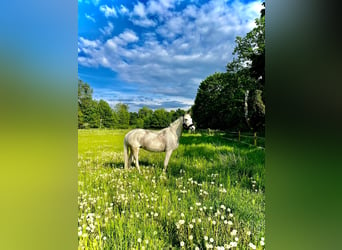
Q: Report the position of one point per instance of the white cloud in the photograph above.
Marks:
(89, 17)
(85, 43)
(107, 11)
(144, 22)
(123, 10)
(107, 30)
(129, 36)
(139, 10)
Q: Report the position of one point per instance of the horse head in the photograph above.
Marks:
(187, 122)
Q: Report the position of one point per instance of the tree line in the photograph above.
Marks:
(235, 99)
(99, 114)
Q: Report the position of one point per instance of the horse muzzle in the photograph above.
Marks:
(191, 126)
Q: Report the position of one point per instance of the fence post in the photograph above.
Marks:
(239, 135)
(255, 139)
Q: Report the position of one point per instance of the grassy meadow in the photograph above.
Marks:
(212, 197)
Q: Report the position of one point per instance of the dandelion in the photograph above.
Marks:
(206, 238)
(208, 245)
(197, 248)
(182, 215)
(251, 245)
(191, 208)
(155, 214)
(139, 240)
(211, 240)
(104, 237)
(214, 222)
(193, 220)
(191, 237)
(233, 244)
(181, 222)
(191, 226)
(233, 233)
(182, 243)
(236, 239)
(248, 233)
(146, 242)
(198, 203)
(231, 215)
(262, 243)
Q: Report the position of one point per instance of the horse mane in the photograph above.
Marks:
(176, 121)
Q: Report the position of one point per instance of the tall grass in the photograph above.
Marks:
(211, 197)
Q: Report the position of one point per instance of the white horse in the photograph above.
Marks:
(165, 140)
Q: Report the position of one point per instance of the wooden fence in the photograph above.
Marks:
(246, 138)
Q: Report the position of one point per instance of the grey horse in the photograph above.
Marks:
(165, 140)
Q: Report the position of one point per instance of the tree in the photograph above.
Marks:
(88, 116)
(207, 101)
(123, 115)
(160, 119)
(249, 66)
(133, 117)
(106, 115)
(145, 114)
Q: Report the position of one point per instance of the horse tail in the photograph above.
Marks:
(126, 153)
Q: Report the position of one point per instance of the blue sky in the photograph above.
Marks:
(155, 53)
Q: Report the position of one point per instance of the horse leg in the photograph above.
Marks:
(126, 151)
(130, 157)
(167, 158)
(136, 156)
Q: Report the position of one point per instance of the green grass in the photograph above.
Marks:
(212, 195)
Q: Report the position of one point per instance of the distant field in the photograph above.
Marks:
(213, 195)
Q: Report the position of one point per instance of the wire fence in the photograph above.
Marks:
(252, 139)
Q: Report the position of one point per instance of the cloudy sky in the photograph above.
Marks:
(157, 52)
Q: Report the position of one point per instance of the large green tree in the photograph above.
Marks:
(249, 65)
(219, 102)
(208, 103)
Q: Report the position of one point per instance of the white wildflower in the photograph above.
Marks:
(251, 245)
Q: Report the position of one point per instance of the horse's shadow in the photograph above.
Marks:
(111, 164)
(120, 165)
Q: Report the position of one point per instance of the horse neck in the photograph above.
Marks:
(177, 127)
